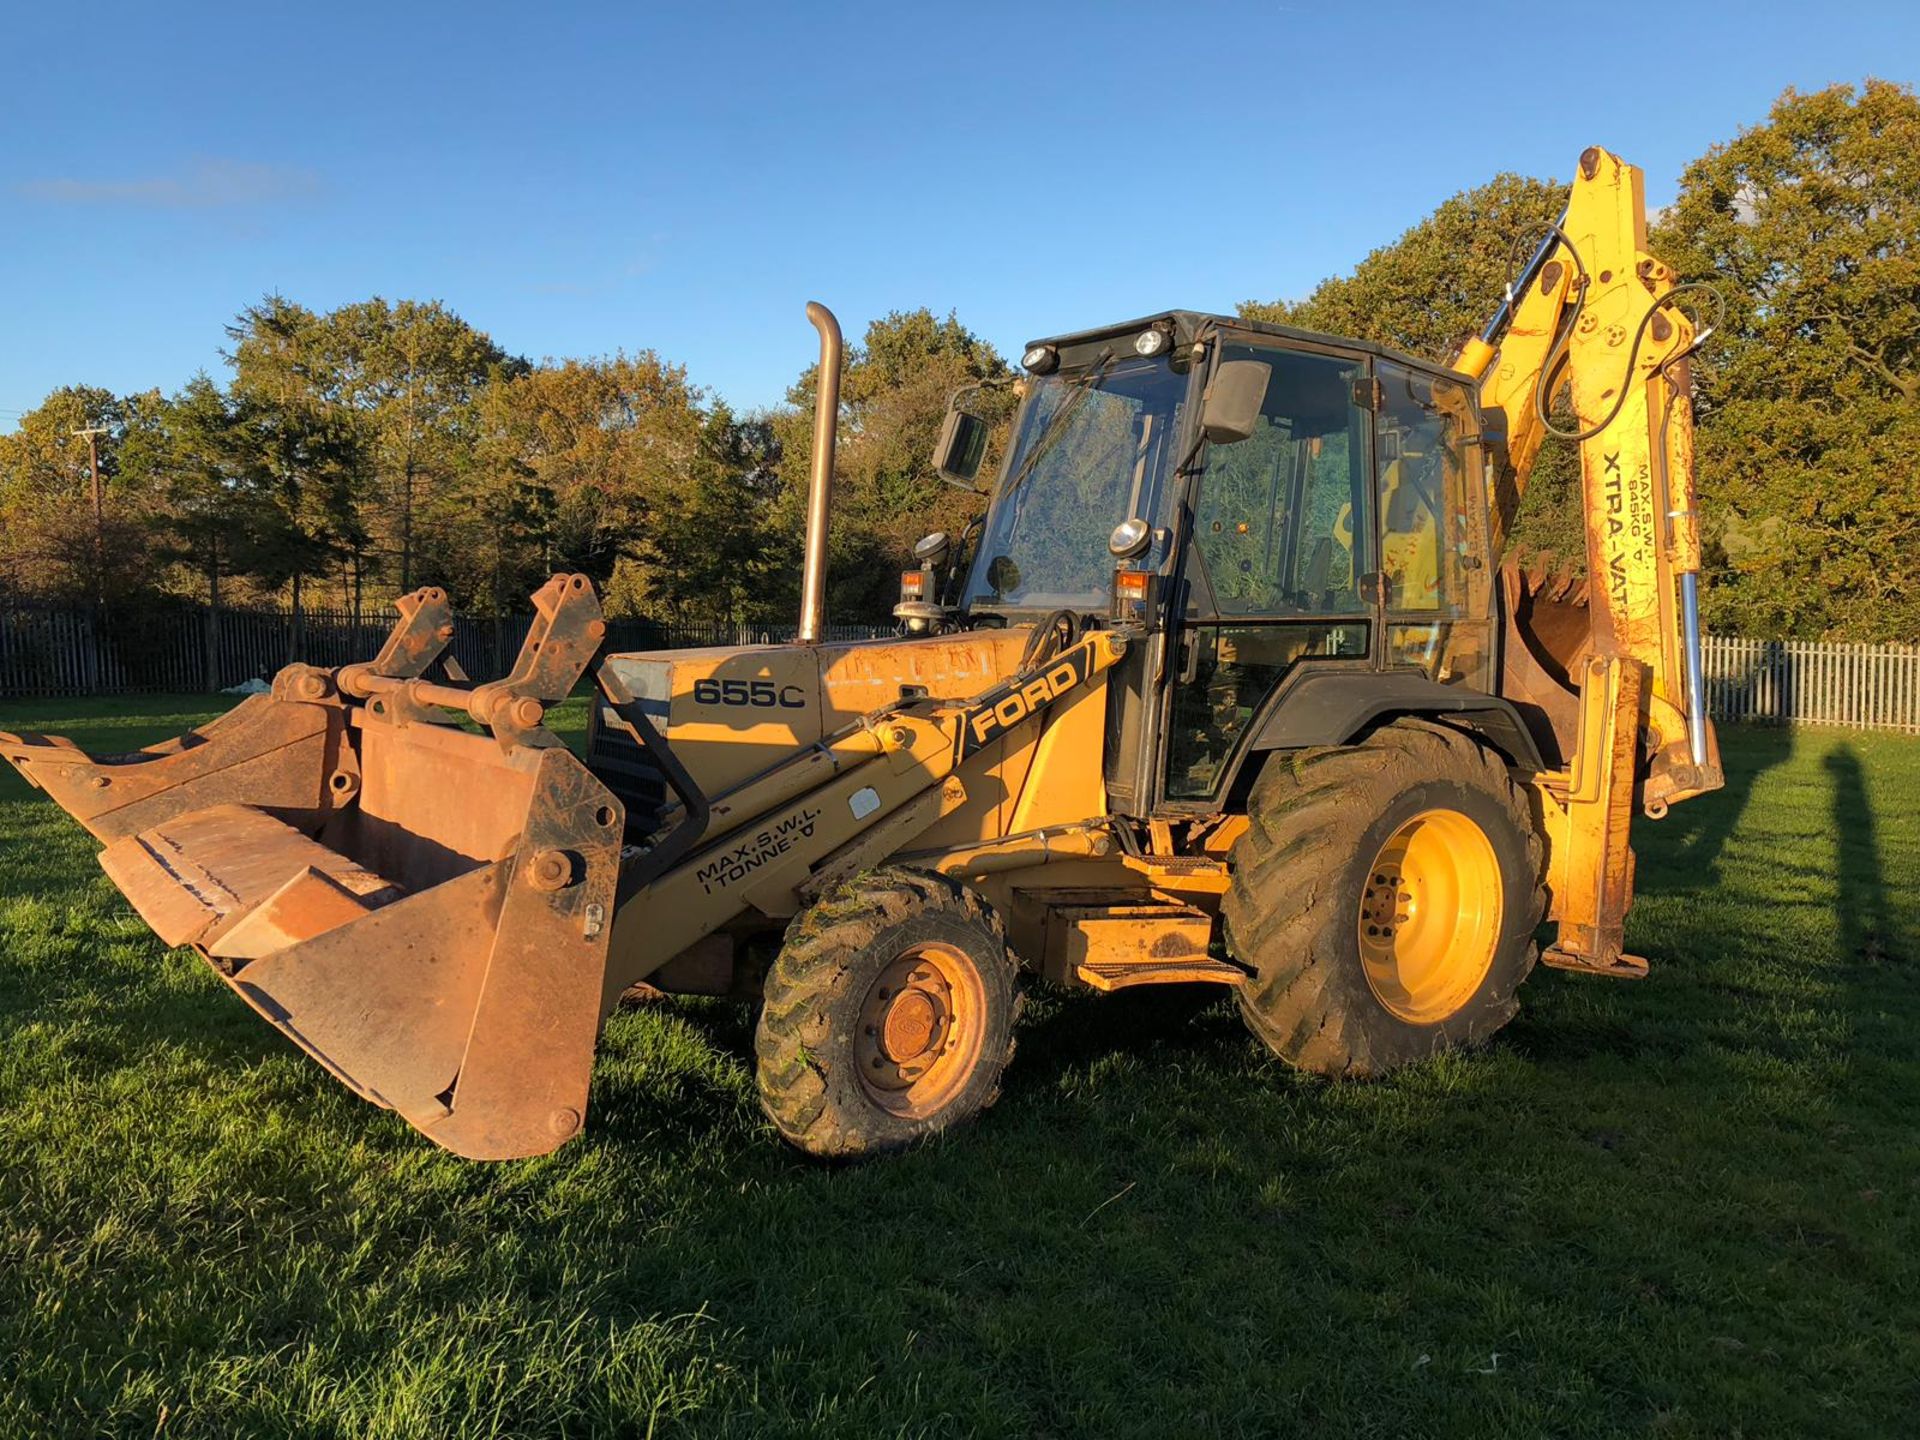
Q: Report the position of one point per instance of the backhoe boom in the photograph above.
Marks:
(1595, 313)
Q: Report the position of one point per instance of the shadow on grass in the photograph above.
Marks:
(1865, 920)
(1070, 1030)
(1687, 845)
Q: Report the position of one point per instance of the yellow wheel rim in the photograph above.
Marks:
(1430, 913)
(920, 1030)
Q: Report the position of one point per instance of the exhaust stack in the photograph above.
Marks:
(826, 419)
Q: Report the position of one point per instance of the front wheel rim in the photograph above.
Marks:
(920, 1030)
(1431, 905)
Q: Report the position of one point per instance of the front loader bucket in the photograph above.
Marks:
(423, 909)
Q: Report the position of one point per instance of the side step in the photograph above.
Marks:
(1110, 975)
(1111, 940)
(1620, 967)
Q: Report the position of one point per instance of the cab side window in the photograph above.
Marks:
(1432, 526)
(1275, 527)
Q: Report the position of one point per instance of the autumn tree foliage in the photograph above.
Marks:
(1807, 397)
(1809, 225)
(346, 455)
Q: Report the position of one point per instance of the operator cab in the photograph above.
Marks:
(1261, 503)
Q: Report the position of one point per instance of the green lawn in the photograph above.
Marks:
(1688, 1206)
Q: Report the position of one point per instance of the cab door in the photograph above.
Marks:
(1434, 537)
(1279, 570)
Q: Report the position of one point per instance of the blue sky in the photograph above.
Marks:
(577, 179)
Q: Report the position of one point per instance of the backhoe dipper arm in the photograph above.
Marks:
(1595, 312)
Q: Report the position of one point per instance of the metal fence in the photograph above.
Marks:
(54, 651)
(1814, 682)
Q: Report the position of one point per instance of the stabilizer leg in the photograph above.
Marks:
(1590, 863)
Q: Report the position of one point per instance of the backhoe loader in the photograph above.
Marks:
(1231, 687)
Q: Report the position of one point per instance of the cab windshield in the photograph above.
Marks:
(1093, 448)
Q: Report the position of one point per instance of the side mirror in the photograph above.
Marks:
(1230, 411)
(960, 449)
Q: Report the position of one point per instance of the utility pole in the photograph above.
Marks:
(93, 434)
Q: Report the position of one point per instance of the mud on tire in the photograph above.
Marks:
(1301, 873)
(887, 1016)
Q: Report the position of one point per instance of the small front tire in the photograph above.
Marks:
(888, 1015)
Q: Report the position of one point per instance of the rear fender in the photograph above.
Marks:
(1333, 707)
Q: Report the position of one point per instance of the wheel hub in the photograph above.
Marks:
(1387, 904)
(918, 1030)
(1430, 916)
(914, 1020)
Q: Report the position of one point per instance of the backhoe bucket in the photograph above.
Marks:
(1547, 642)
(423, 909)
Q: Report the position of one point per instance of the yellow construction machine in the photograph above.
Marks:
(1231, 687)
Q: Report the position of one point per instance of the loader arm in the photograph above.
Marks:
(1597, 314)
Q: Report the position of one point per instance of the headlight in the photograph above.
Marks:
(1129, 538)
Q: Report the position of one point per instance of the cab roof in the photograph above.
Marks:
(1189, 323)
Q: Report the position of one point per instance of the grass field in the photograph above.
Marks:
(1689, 1206)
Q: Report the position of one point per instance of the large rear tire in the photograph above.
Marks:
(888, 1015)
(1386, 896)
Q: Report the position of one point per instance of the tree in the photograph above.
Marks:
(212, 520)
(574, 459)
(401, 383)
(292, 447)
(1441, 281)
(709, 550)
(49, 543)
(1809, 226)
(410, 373)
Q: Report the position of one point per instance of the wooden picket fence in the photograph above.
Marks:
(1814, 682)
(55, 652)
